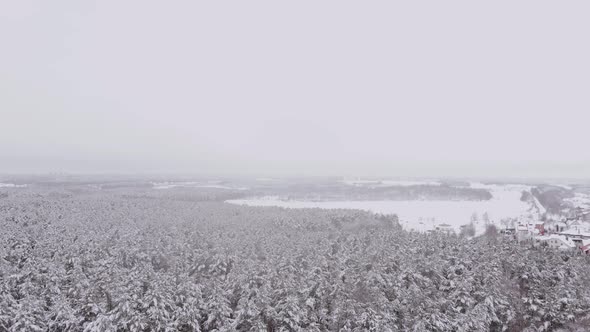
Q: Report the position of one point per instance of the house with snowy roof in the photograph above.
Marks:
(445, 228)
(530, 229)
(576, 234)
(574, 223)
(558, 226)
(555, 241)
(577, 227)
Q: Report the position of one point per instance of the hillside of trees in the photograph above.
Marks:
(552, 197)
(112, 261)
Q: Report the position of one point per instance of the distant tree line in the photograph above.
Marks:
(417, 192)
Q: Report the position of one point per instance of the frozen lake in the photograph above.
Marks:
(425, 215)
(211, 185)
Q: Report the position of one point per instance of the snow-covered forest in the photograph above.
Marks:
(122, 262)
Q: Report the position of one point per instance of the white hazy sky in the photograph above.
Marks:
(499, 88)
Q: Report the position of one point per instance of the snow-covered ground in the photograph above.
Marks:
(389, 183)
(170, 185)
(12, 185)
(580, 200)
(265, 179)
(426, 215)
(409, 183)
(566, 187)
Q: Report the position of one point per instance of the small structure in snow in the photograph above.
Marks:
(445, 228)
(555, 241)
(523, 233)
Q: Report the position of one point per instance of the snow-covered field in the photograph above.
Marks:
(580, 200)
(389, 183)
(170, 185)
(425, 215)
(12, 185)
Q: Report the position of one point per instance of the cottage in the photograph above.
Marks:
(575, 234)
(559, 226)
(577, 242)
(445, 228)
(574, 223)
(555, 241)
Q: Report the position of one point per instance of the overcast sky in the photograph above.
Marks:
(498, 88)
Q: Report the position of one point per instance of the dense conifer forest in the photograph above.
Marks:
(127, 261)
